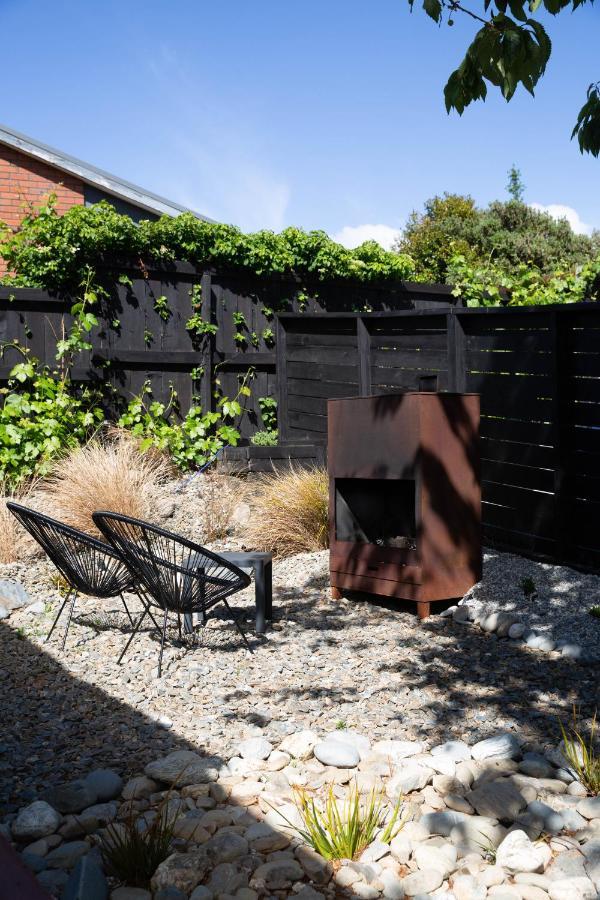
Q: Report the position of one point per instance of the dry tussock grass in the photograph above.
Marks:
(221, 494)
(15, 542)
(290, 512)
(111, 474)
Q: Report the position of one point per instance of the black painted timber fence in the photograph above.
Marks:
(538, 373)
(136, 344)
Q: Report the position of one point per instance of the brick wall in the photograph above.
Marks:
(25, 181)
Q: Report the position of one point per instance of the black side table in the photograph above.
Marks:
(262, 566)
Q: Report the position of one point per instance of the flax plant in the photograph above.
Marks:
(343, 830)
(582, 753)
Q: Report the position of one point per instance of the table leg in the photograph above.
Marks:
(268, 569)
(260, 596)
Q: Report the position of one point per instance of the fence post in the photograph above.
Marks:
(207, 383)
(558, 372)
(363, 338)
(281, 385)
(457, 352)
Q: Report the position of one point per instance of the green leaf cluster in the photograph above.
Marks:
(511, 48)
(53, 251)
(488, 285)
(190, 442)
(42, 414)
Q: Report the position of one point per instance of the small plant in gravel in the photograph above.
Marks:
(528, 587)
(340, 725)
(583, 753)
(132, 853)
(595, 611)
(343, 830)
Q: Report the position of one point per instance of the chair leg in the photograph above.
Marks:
(62, 606)
(129, 616)
(162, 644)
(136, 628)
(238, 626)
(69, 614)
(144, 601)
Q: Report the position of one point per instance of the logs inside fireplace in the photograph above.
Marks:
(405, 496)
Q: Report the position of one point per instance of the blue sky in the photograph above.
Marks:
(319, 114)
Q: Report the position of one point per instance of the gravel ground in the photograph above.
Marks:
(323, 664)
(559, 608)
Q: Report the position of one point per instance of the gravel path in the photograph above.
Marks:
(561, 603)
(323, 664)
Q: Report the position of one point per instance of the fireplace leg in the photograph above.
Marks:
(336, 593)
(423, 609)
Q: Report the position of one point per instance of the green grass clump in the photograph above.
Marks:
(132, 854)
(595, 611)
(583, 754)
(343, 829)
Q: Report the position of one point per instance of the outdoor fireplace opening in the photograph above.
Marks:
(377, 511)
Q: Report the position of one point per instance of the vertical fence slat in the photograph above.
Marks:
(364, 357)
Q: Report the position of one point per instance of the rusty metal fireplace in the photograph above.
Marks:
(405, 497)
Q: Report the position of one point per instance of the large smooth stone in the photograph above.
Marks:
(105, 783)
(182, 870)
(410, 777)
(501, 746)
(87, 882)
(13, 595)
(396, 750)
(70, 798)
(422, 882)
(589, 808)
(536, 766)
(300, 745)
(338, 754)
(255, 748)
(572, 889)
(517, 853)
(360, 743)
(442, 822)
(499, 799)
(455, 751)
(184, 767)
(35, 821)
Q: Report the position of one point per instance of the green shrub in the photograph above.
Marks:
(594, 611)
(265, 438)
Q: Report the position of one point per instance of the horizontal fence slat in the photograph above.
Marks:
(410, 359)
(508, 361)
(329, 389)
(334, 355)
(517, 475)
(321, 371)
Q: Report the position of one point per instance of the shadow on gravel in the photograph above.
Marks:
(57, 727)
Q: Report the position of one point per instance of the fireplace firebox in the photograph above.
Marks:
(405, 496)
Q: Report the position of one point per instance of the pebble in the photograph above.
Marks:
(35, 821)
(517, 853)
(502, 746)
(336, 753)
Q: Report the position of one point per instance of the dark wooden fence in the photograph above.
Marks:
(134, 344)
(538, 373)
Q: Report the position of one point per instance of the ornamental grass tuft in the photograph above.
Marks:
(343, 829)
(583, 753)
(109, 473)
(133, 851)
(290, 512)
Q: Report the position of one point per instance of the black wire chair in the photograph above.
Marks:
(89, 566)
(178, 576)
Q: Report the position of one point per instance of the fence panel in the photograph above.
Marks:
(538, 374)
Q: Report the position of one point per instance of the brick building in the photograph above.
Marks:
(30, 171)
